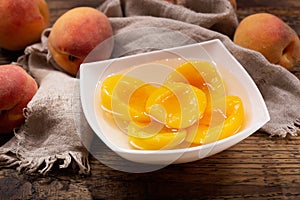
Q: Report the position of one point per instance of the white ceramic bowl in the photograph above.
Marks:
(236, 79)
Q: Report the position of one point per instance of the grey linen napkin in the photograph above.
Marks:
(50, 132)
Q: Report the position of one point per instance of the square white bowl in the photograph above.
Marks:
(236, 79)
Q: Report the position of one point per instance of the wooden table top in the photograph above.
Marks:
(259, 167)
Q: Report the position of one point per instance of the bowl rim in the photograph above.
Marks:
(240, 135)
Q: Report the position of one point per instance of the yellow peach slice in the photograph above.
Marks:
(107, 89)
(115, 94)
(137, 103)
(145, 138)
(177, 105)
(198, 73)
(233, 120)
(203, 75)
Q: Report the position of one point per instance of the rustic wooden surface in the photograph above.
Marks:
(259, 167)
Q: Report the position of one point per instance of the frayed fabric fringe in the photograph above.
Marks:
(292, 130)
(43, 165)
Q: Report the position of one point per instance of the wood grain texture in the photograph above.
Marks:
(259, 167)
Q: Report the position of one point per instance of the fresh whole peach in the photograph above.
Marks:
(22, 22)
(16, 89)
(75, 34)
(270, 36)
